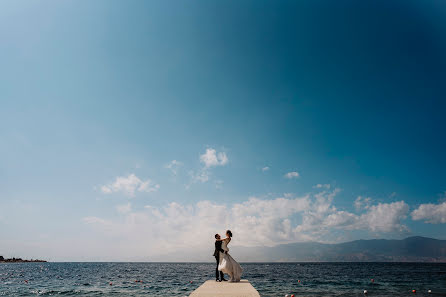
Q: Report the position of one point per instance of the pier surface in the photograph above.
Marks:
(212, 288)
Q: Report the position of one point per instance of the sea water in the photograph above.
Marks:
(180, 279)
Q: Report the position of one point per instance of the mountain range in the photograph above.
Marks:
(411, 249)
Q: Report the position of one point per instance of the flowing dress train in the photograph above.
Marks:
(228, 265)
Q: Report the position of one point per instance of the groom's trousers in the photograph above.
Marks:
(218, 274)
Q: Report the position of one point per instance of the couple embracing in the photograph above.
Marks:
(225, 263)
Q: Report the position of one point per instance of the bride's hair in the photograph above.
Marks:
(229, 233)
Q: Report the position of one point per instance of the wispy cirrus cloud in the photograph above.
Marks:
(96, 220)
(266, 168)
(202, 175)
(362, 203)
(174, 166)
(129, 185)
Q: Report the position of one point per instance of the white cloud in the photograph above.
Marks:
(385, 217)
(381, 218)
(266, 168)
(158, 230)
(254, 222)
(267, 222)
(322, 186)
(430, 213)
(124, 208)
(362, 203)
(129, 185)
(174, 166)
(211, 158)
(340, 219)
(315, 219)
(293, 174)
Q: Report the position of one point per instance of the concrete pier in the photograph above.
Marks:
(212, 288)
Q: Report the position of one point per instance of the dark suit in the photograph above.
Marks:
(217, 251)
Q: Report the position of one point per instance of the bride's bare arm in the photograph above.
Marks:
(227, 239)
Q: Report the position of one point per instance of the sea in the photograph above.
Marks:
(180, 279)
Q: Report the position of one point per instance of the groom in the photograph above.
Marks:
(217, 251)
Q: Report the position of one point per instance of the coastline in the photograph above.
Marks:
(19, 260)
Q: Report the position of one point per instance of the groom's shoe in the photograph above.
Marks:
(224, 280)
(217, 280)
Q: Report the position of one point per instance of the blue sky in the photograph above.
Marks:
(98, 98)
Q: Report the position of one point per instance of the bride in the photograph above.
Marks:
(227, 264)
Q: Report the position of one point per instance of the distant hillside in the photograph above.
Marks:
(412, 249)
(17, 260)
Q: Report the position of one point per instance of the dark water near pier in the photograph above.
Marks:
(180, 279)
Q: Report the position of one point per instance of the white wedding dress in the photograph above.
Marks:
(228, 265)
